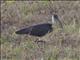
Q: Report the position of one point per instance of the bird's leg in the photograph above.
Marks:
(40, 43)
(38, 40)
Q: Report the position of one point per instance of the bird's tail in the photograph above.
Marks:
(22, 31)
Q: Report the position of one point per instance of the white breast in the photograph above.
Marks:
(52, 19)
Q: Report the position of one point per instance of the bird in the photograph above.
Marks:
(36, 30)
(40, 30)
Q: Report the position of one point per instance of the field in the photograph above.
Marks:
(57, 45)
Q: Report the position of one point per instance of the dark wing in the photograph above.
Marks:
(41, 30)
(36, 30)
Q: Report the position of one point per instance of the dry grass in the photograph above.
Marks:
(58, 45)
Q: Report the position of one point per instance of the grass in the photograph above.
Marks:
(59, 45)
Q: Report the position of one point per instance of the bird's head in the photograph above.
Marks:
(55, 20)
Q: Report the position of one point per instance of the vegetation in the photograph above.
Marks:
(59, 45)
